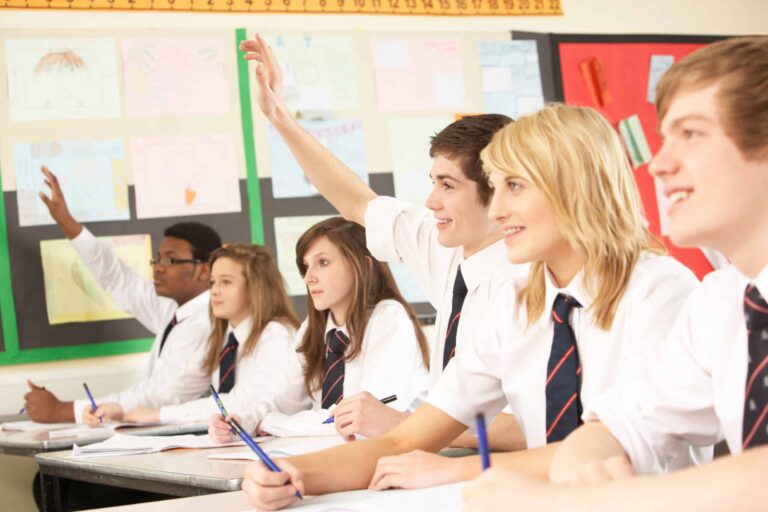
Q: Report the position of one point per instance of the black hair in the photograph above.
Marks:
(203, 239)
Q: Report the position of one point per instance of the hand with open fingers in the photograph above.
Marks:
(143, 414)
(500, 490)
(415, 470)
(269, 77)
(57, 205)
(42, 405)
(365, 415)
(221, 431)
(613, 468)
(104, 412)
(268, 490)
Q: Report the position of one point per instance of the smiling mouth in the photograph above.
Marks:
(512, 231)
(679, 195)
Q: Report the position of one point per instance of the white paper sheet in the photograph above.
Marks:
(126, 444)
(298, 448)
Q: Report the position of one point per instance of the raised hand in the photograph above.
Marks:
(57, 205)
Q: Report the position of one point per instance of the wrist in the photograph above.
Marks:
(280, 116)
(71, 228)
(65, 411)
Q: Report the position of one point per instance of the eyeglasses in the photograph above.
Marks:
(172, 261)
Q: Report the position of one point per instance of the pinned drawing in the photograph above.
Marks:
(511, 77)
(592, 73)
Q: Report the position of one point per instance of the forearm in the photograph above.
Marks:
(590, 443)
(504, 435)
(336, 182)
(534, 462)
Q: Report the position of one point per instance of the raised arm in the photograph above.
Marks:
(334, 180)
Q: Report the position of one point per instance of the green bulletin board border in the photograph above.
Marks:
(12, 355)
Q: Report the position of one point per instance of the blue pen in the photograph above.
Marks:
(218, 401)
(482, 441)
(257, 450)
(22, 410)
(386, 400)
(93, 402)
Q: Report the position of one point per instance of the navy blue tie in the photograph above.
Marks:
(563, 374)
(459, 294)
(167, 331)
(756, 396)
(227, 362)
(333, 380)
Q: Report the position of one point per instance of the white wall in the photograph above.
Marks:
(591, 16)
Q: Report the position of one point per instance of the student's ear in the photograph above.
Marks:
(203, 272)
(370, 262)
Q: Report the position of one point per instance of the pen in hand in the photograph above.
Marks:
(93, 402)
(385, 400)
(482, 441)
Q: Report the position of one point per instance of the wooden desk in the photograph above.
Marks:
(32, 443)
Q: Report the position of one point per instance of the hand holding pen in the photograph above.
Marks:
(93, 402)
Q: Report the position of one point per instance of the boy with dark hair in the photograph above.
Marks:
(174, 306)
(708, 381)
(453, 250)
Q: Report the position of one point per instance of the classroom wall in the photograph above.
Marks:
(587, 16)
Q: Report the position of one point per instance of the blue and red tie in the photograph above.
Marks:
(754, 431)
(166, 332)
(563, 374)
(333, 380)
(227, 362)
(459, 294)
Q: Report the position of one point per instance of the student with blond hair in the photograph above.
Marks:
(598, 295)
(707, 381)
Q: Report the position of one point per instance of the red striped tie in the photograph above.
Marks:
(227, 362)
(563, 374)
(754, 431)
(457, 302)
(333, 380)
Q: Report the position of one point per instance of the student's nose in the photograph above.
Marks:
(496, 210)
(309, 276)
(664, 163)
(433, 200)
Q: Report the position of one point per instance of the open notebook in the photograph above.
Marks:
(32, 426)
(284, 450)
(124, 444)
(59, 430)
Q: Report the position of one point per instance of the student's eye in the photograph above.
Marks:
(514, 185)
(691, 134)
(447, 186)
(324, 263)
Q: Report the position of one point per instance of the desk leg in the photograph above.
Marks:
(51, 493)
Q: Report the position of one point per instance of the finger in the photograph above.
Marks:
(33, 386)
(618, 468)
(45, 199)
(388, 481)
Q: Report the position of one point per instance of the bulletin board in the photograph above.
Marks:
(361, 94)
(616, 75)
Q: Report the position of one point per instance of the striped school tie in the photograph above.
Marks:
(459, 294)
(563, 374)
(166, 332)
(756, 396)
(333, 380)
(227, 362)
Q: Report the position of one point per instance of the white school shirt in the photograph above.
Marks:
(507, 363)
(390, 363)
(260, 378)
(398, 231)
(694, 384)
(136, 295)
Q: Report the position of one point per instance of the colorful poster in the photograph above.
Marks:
(343, 138)
(318, 71)
(511, 77)
(72, 294)
(53, 79)
(418, 74)
(409, 140)
(184, 175)
(91, 174)
(175, 76)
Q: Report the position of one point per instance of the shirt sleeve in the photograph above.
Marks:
(399, 232)
(392, 361)
(471, 383)
(135, 294)
(655, 417)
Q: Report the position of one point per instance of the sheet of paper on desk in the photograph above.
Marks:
(444, 498)
(32, 426)
(125, 444)
(105, 428)
(287, 450)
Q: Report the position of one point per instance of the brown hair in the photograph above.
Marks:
(463, 140)
(574, 156)
(740, 66)
(373, 282)
(266, 290)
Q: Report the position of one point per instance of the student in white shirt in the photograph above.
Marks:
(252, 342)
(453, 232)
(360, 334)
(566, 199)
(707, 381)
(173, 306)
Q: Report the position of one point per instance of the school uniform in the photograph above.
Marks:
(399, 231)
(179, 330)
(257, 380)
(511, 362)
(695, 385)
(389, 363)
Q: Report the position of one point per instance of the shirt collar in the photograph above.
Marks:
(191, 307)
(575, 289)
(761, 281)
(478, 268)
(330, 325)
(242, 331)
